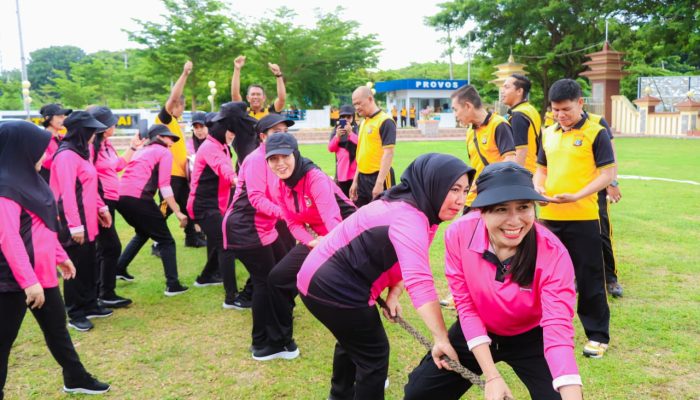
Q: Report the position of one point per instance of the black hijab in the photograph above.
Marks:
(239, 122)
(426, 182)
(81, 127)
(301, 167)
(21, 146)
(218, 130)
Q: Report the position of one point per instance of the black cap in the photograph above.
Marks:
(347, 109)
(104, 115)
(271, 120)
(236, 109)
(209, 118)
(83, 119)
(54, 109)
(502, 182)
(162, 130)
(199, 118)
(280, 143)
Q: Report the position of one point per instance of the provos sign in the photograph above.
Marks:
(437, 84)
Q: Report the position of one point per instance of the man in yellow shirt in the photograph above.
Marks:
(395, 114)
(169, 115)
(375, 149)
(403, 116)
(256, 94)
(575, 162)
(524, 120)
(412, 115)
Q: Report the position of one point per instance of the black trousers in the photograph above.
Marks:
(51, 318)
(524, 353)
(361, 357)
(148, 222)
(282, 282)
(181, 192)
(606, 232)
(413, 122)
(403, 121)
(81, 291)
(108, 250)
(210, 223)
(365, 184)
(288, 241)
(582, 240)
(259, 262)
(345, 187)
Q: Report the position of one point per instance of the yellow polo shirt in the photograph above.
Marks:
(376, 133)
(178, 148)
(526, 124)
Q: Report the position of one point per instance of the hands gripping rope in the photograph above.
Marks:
(454, 365)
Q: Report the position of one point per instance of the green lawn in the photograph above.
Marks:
(189, 347)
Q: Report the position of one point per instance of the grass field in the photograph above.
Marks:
(188, 347)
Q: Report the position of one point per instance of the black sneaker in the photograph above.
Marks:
(125, 276)
(195, 241)
(155, 251)
(88, 385)
(99, 312)
(208, 281)
(80, 324)
(288, 352)
(113, 301)
(174, 290)
(240, 302)
(614, 289)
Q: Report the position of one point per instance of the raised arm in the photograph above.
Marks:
(238, 63)
(281, 89)
(178, 88)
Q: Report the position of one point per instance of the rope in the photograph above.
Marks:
(454, 365)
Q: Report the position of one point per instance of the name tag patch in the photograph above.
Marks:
(578, 142)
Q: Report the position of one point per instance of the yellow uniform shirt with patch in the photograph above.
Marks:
(573, 159)
(403, 112)
(372, 139)
(179, 149)
(526, 124)
(412, 112)
(335, 114)
(495, 140)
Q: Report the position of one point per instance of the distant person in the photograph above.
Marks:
(548, 118)
(524, 120)
(395, 114)
(343, 142)
(53, 116)
(199, 133)
(29, 254)
(412, 115)
(403, 116)
(375, 149)
(335, 115)
(575, 162)
(255, 94)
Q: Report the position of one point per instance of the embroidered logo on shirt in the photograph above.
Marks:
(483, 141)
(307, 200)
(578, 142)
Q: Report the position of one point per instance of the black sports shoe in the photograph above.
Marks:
(113, 301)
(239, 302)
(99, 312)
(195, 240)
(87, 385)
(614, 289)
(125, 276)
(80, 324)
(208, 281)
(174, 290)
(155, 251)
(287, 352)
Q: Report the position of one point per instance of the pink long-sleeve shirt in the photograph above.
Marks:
(347, 268)
(50, 151)
(108, 164)
(344, 168)
(505, 308)
(250, 220)
(212, 177)
(22, 233)
(74, 184)
(149, 170)
(316, 201)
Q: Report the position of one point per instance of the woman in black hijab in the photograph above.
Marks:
(81, 210)
(29, 253)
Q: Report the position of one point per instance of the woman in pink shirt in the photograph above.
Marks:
(384, 244)
(53, 116)
(81, 209)
(108, 164)
(312, 205)
(513, 286)
(29, 254)
(343, 142)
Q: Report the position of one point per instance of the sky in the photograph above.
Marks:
(97, 25)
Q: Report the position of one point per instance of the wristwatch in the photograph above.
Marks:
(614, 183)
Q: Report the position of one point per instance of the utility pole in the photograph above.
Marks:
(25, 80)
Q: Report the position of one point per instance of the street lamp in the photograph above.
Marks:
(25, 96)
(212, 91)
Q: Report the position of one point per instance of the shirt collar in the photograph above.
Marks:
(579, 124)
(485, 122)
(510, 110)
(480, 238)
(375, 114)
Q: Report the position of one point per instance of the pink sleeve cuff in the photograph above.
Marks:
(76, 229)
(477, 341)
(104, 209)
(166, 191)
(565, 380)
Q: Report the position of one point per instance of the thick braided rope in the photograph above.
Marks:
(454, 365)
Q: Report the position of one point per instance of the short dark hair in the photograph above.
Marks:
(255, 86)
(565, 89)
(522, 82)
(469, 94)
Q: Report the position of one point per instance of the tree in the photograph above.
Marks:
(11, 90)
(44, 62)
(195, 30)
